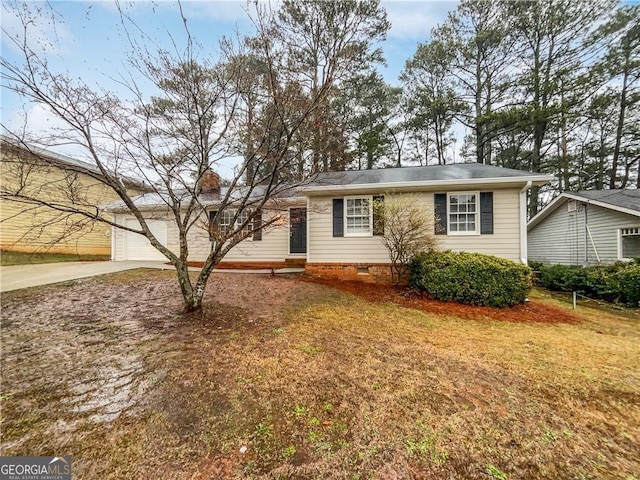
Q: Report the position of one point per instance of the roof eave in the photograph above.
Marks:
(123, 209)
(546, 211)
(418, 185)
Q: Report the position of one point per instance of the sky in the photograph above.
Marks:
(89, 43)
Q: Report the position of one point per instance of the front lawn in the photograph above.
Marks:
(283, 378)
(8, 257)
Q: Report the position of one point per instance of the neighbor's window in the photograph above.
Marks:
(358, 216)
(629, 243)
(463, 213)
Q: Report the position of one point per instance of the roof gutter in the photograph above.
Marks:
(523, 222)
(536, 179)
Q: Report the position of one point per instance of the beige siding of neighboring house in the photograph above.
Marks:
(323, 247)
(560, 237)
(29, 228)
(274, 246)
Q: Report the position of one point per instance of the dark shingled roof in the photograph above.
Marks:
(627, 198)
(456, 171)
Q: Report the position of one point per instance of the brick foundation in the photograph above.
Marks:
(359, 272)
(233, 265)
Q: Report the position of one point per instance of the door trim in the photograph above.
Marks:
(306, 246)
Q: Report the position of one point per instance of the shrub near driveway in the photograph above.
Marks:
(470, 278)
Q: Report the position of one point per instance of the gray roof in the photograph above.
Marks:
(627, 198)
(625, 201)
(459, 173)
(28, 147)
(432, 173)
(160, 198)
(63, 159)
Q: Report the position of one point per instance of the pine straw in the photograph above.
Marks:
(528, 312)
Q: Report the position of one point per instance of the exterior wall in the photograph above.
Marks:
(560, 237)
(323, 248)
(274, 246)
(27, 228)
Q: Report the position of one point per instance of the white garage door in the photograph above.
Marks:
(137, 247)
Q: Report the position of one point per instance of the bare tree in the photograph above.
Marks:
(173, 140)
(406, 227)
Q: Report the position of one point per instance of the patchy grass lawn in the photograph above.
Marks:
(8, 257)
(288, 379)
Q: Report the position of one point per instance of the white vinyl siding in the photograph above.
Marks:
(274, 245)
(560, 237)
(325, 248)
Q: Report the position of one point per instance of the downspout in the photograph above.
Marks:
(308, 260)
(586, 235)
(523, 222)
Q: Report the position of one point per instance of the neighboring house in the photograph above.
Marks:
(587, 228)
(328, 224)
(33, 171)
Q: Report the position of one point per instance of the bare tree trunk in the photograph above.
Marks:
(479, 123)
(619, 128)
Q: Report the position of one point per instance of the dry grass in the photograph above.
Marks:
(315, 383)
(8, 257)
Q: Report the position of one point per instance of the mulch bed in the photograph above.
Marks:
(529, 312)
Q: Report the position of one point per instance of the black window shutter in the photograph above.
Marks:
(440, 202)
(486, 213)
(338, 217)
(213, 222)
(378, 220)
(257, 223)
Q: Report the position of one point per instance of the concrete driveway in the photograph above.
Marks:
(24, 276)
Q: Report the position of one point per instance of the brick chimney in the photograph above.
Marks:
(210, 182)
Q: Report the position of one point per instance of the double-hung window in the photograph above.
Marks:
(358, 216)
(463, 214)
(225, 221)
(226, 224)
(629, 243)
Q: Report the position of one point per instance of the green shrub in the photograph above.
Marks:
(619, 282)
(470, 278)
(629, 285)
(535, 266)
(563, 278)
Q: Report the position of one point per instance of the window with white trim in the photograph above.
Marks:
(358, 216)
(226, 224)
(463, 214)
(243, 217)
(629, 243)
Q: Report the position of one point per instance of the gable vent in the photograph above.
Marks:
(572, 206)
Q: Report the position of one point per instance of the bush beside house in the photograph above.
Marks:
(614, 283)
(470, 278)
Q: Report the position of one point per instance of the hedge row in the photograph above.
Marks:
(618, 283)
(470, 278)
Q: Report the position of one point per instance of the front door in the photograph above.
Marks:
(298, 230)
